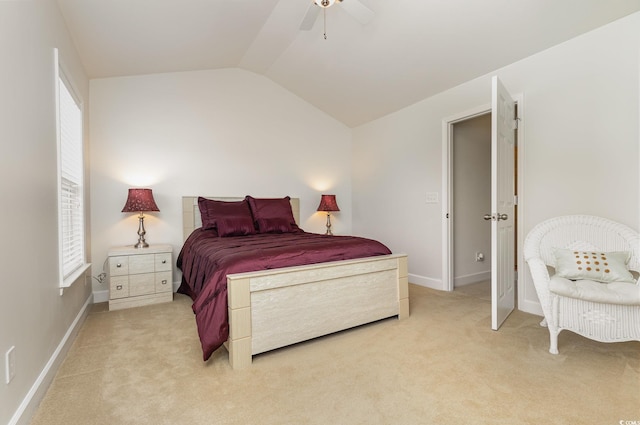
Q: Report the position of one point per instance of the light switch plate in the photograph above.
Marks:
(432, 197)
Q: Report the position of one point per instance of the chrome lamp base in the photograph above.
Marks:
(329, 232)
(141, 232)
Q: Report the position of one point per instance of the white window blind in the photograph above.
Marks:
(71, 170)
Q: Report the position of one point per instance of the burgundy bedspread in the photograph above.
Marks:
(206, 260)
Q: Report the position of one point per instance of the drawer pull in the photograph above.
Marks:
(118, 265)
(164, 261)
(118, 287)
(164, 281)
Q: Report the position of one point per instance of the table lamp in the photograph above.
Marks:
(140, 200)
(328, 203)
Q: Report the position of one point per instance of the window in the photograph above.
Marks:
(70, 184)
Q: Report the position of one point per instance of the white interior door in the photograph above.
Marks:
(503, 126)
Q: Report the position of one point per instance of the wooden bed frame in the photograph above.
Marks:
(275, 308)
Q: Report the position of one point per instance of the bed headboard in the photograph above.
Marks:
(191, 214)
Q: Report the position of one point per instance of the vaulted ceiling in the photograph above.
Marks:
(408, 51)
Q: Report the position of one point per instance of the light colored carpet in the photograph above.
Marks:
(480, 290)
(442, 365)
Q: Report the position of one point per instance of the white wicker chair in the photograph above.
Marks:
(613, 321)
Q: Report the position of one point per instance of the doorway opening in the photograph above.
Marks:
(507, 183)
(471, 200)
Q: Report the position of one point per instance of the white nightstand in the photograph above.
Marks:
(140, 276)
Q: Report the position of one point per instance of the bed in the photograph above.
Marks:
(272, 307)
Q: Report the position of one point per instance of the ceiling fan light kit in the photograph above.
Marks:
(324, 3)
(355, 8)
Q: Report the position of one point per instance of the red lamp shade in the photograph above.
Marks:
(140, 200)
(328, 203)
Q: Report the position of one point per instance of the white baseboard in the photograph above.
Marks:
(427, 282)
(471, 278)
(100, 296)
(36, 393)
(531, 307)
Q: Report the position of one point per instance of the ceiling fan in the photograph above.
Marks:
(355, 8)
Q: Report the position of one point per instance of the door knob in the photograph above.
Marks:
(496, 217)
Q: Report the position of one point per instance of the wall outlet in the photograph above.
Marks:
(10, 364)
(479, 257)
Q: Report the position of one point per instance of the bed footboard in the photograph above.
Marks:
(275, 308)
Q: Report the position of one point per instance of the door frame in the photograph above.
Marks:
(447, 193)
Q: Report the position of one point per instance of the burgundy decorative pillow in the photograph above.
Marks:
(212, 210)
(274, 225)
(272, 208)
(235, 226)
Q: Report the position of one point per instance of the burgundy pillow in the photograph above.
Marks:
(235, 226)
(272, 208)
(212, 210)
(274, 225)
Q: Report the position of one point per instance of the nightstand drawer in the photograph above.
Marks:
(142, 284)
(163, 282)
(119, 287)
(163, 262)
(141, 263)
(119, 266)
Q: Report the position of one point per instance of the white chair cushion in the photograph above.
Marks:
(588, 290)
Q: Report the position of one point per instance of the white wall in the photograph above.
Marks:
(34, 317)
(223, 132)
(580, 142)
(471, 199)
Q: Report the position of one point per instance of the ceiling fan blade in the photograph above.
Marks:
(310, 18)
(359, 11)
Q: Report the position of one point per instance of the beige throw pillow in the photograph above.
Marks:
(597, 266)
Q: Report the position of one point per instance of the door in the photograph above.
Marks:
(503, 140)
